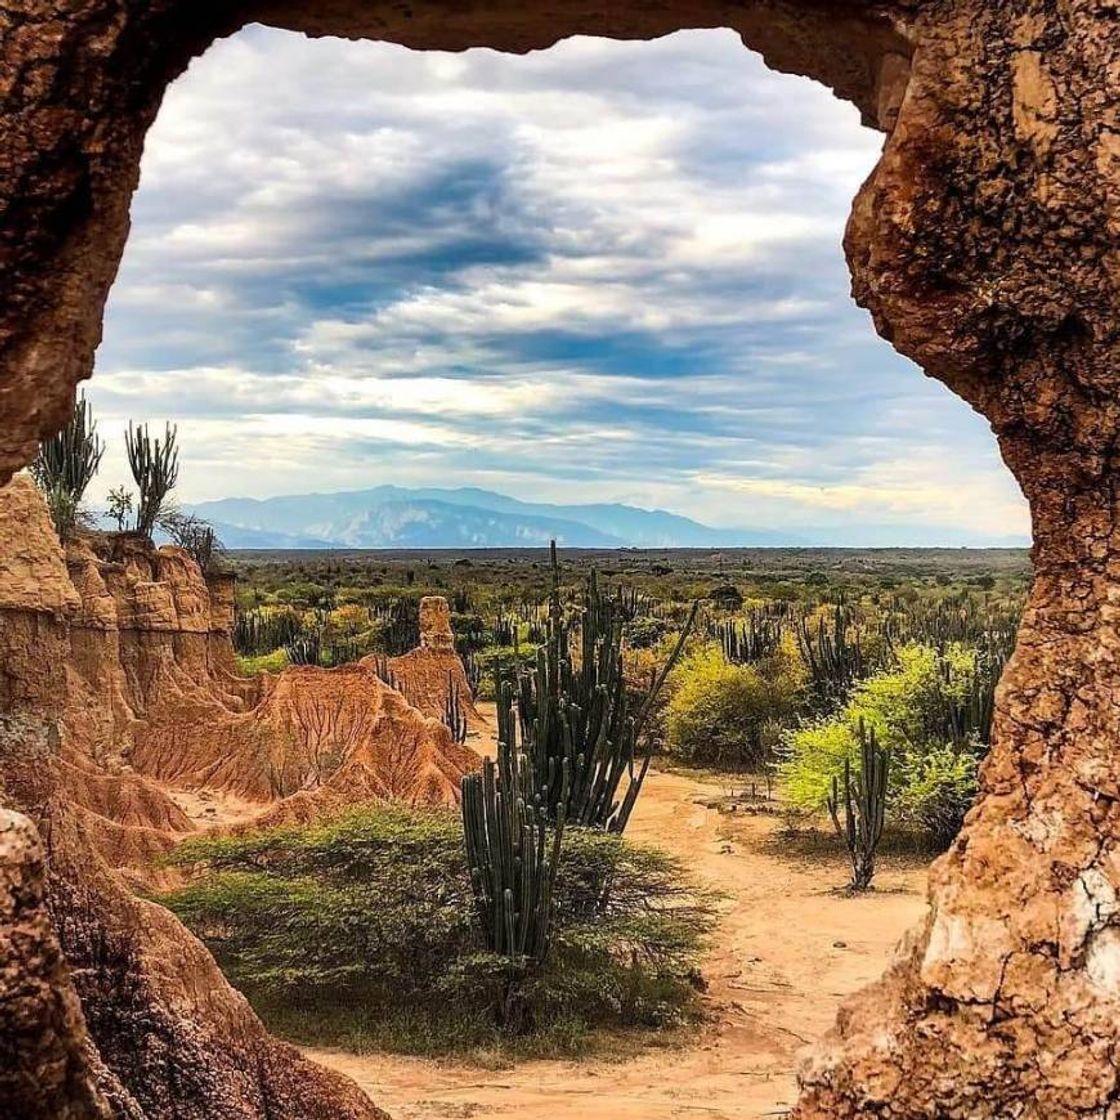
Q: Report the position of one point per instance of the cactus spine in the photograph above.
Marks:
(865, 800)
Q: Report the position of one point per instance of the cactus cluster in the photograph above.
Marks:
(864, 799)
(305, 649)
(833, 655)
(400, 626)
(753, 639)
(512, 851)
(155, 470)
(261, 631)
(574, 712)
(65, 466)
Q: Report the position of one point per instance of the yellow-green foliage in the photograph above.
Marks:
(720, 713)
(273, 662)
(932, 778)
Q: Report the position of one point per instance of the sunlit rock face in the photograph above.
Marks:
(984, 245)
(115, 677)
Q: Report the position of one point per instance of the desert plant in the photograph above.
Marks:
(305, 649)
(399, 626)
(720, 712)
(260, 631)
(750, 640)
(453, 715)
(574, 713)
(155, 469)
(196, 536)
(864, 798)
(512, 858)
(833, 655)
(119, 507)
(66, 464)
(374, 909)
(932, 711)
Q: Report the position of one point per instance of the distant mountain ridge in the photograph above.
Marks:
(468, 517)
(399, 517)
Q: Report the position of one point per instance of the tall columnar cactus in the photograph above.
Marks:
(155, 469)
(305, 649)
(453, 715)
(833, 656)
(864, 797)
(753, 639)
(511, 855)
(574, 713)
(65, 466)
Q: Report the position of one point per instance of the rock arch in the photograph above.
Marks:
(985, 245)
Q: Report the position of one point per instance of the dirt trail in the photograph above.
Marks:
(787, 950)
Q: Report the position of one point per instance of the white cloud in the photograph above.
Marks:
(557, 274)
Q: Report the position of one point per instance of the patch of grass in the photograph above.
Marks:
(368, 1026)
(813, 844)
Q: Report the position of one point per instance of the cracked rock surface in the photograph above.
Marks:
(984, 244)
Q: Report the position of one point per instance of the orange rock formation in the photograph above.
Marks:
(116, 678)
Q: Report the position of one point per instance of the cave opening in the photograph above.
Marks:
(1004, 998)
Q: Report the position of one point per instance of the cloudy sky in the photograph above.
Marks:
(608, 271)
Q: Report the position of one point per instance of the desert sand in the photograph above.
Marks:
(787, 950)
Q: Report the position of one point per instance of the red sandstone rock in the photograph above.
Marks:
(115, 660)
(159, 1032)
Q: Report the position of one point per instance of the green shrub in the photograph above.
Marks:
(374, 910)
(720, 713)
(273, 662)
(920, 712)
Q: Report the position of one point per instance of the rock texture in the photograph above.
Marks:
(428, 675)
(117, 672)
(985, 246)
(45, 1052)
(138, 1023)
(127, 648)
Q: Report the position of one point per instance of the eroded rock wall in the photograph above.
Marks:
(126, 649)
(132, 1019)
(985, 246)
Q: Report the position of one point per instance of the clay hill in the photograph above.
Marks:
(119, 694)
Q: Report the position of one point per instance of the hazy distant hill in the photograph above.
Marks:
(395, 517)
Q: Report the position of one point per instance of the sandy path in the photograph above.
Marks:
(787, 951)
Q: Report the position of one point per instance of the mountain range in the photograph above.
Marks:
(396, 517)
(468, 517)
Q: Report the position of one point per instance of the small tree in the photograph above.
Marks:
(194, 535)
(155, 467)
(65, 466)
(119, 507)
(865, 801)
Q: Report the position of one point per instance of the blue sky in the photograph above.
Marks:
(607, 271)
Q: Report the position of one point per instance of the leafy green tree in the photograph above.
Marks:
(119, 507)
(931, 713)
